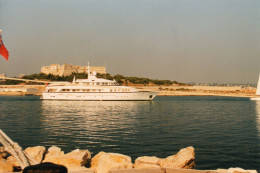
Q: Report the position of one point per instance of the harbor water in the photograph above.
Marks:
(224, 131)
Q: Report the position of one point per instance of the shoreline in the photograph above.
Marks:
(233, 91)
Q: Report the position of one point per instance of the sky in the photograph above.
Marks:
(180, 40)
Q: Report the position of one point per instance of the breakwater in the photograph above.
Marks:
(77, 161)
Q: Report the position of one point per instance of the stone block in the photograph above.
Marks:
(36, 153)
(103, 162)
(5, 166)
(85, 170)
(75, 160)
(147, 162)
(174, 170)
(183, 159)
(137, 170)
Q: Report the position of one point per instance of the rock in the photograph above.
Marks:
(12, 161)
(53, 152)
(147, 162)
(73, 160)
(103, 162)
(3, 153)
(5, 166)
(236, 170)
(183, 159)
(82, 170)
(81, 156)
(36, 153)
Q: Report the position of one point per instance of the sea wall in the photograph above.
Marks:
(21, 89)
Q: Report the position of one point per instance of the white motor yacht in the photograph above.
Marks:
(94, 88)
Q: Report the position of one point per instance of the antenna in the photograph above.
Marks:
(88, 69)
(105, 67)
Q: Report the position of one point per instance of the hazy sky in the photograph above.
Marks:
(183, 40)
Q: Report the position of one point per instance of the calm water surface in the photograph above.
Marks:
(224, 131)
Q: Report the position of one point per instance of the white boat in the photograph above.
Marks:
(94, 88)
(257, 91)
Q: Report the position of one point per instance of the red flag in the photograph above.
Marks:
(3, 50)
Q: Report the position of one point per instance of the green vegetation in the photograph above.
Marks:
(122, 80)
(184, 89)
(144, 81)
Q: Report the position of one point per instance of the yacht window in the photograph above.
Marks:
(111, 90)
(52, 90)
(97, 83)
(74, 90)
(114, 90)
(93, 90)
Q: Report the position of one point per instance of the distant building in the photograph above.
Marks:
(2, 75)
(68, 69)
(21, 76)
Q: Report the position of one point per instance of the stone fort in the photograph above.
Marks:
(68, 69)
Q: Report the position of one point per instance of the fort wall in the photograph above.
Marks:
(68, 69)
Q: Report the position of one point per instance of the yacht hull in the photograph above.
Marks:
(127, 96)
(255, 98)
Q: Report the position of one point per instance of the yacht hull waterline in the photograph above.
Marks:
(141, 96)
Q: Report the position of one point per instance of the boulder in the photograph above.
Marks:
(185, 158)
(12, 161)
(103, 162)
(36, 153)
(3, 153)
(235, 170)
(74, 160)
(147, 162)
(81, 156)
(53, 152)
(5, 166)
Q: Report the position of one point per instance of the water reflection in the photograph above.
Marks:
(92, 122)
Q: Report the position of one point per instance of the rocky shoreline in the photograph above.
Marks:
(81, 161)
